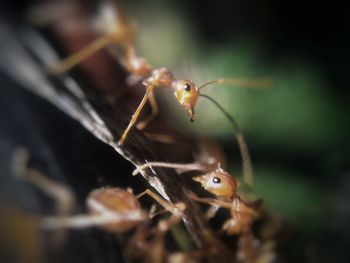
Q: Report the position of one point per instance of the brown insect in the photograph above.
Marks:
(119, 36)
(112, 209)
(224, 186)
(117, 210)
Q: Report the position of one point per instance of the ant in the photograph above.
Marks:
(112, 209)
(224, 186)
(118, 33)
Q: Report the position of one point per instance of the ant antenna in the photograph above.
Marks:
(260, 83)
(248, 174)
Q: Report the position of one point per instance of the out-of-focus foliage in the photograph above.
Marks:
(301, 200)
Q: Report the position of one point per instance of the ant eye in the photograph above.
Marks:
(187, 87)
(216, 180)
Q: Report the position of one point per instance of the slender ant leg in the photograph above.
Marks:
(73, 60)
(154, 108)
(134, 117)
(173, 208)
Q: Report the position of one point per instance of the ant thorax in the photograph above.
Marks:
(139, 66)
(160, 77)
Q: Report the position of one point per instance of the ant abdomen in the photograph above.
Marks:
(116, 201)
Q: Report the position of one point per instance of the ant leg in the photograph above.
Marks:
(144, 123)
(71, 61)
(61, 193)
(211, 201)
(175, 209)
(134, 64)
(166, 224)
(183, 167)
(136, 114)
(154, 107)
(163, 138)
(80, 221)
(211, 212)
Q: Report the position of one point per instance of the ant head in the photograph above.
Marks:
(219, 183)
(186, 94)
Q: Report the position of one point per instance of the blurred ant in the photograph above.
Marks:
(117, 210)
(117, 32)
(112, 209)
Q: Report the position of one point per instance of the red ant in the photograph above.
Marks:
(112, 209)
(224, 186)
(118, 33)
